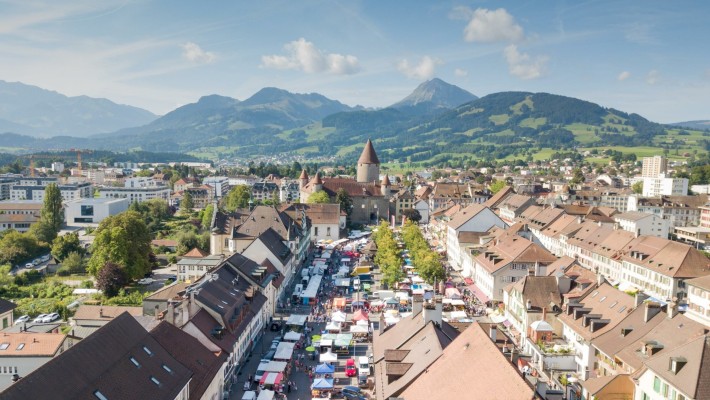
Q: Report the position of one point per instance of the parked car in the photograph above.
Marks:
(362, 381)
(50, 317)
(260, 370)
(29, 265)
(274, 345)
(350, 369)
(352, 392)
(46, 257)
(37, 261)
(24, 318)
(146, 281)
(39, 318)
(270, 355)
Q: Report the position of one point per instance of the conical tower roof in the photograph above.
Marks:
(304, 175)
(368, 155)
(316, 179)
(386, 181)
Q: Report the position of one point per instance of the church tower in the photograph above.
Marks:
(303, 180)
(368, 165)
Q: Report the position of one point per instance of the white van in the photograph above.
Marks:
(297, 290)
(363, 366)
(249, 395)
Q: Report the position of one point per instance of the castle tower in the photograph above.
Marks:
(317, 183)
(303, 180)
(385, 185)
(368, 165)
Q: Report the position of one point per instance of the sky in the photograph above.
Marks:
(647, 57)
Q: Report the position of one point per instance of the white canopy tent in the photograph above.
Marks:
(328, 357)
(297, 320)
(266, 395)
(311, 290)
(339, 316)
(284, 351)
(292, 336)
(343, 282)
(358, 329)
(275, 366)
(332, 326)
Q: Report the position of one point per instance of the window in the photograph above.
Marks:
(315, 230)
(656, 384)
(87, 211)
(327, 231)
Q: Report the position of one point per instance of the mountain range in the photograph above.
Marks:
(30, 110)
(437, 121)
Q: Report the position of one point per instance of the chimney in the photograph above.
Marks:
(544, 313)
(528, 305)
(434, 311)
(651, 310)
(101, 312)
(156, 312)
(673, 307)
(170, 314)
(493, 332)
(417, 304)
(193, 308)
(600, 280)
(639, 299)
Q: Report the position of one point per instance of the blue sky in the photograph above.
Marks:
(648, 57)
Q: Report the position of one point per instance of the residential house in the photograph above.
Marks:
(422, 206)
(325, 220)
(97, 316)
(487, 372)
(265, 190)
(135, 195)
(22, 353)
(680, 211)
(207, 381)
(406, 350)
(699, 299)
(462, 194)
(157, 302)
(191, 267)
(6, 309)
(19, 214)
(474, 218)
(506, 260)
(587, 318)
(400, 201)
(270, 246)
(183, 184)
(642, 224)
(513, 206)
(530, 299)
(264, 276)
(120, 361)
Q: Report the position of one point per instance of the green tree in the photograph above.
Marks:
(275, 198)
(637, 187)
(186, 205)
(238, 197)
(51, 216)
(496, 186)
(207, 216)
(73, 263)
(124, 240)
(412, 215)
(65, 244)
(346, 203)
(318, 197)
(16, 247)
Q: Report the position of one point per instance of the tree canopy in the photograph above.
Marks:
(51, 216)
(65, 244)
(124, 240)
(425, 261)
(318, 197)
(388, 255)
(238, 197)
(346, 203)
(186, 205)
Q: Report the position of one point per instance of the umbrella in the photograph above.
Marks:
(315, 338)
(325, 369)
(310, 349)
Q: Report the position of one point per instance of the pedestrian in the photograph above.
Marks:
(288, 387)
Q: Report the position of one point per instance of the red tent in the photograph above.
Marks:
(360, 315)
(271, 378)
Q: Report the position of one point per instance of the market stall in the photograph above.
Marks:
(275, 366)
(271, 379)
(338, 316)
(325, 368)
(292, 336)
(339, 303)
(333, 327)
(266, 395)
(284, 351)
(453, 293)
(310, 293)
(321, 386)
(360, 315)
(328, 357)
(296, 321)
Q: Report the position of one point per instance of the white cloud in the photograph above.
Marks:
(194, 53)
(303, 55)
(489, 26)
(460, 72)
(423, 70)
(624, 75)
(522, 65)
(653, 77)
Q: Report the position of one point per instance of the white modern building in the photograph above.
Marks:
(135, 194)
(662, 186)
(641, 223)
(33, 189)
(220, 185)
(90, 212)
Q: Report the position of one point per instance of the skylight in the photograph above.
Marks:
(165, 367)
(622, 309)
(155, 380)
(135, 362)
(100, 395)
(20, 346)
(147, 351)
(4, 346)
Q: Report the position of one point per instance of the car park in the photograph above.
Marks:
(39, 318)
(24, 318)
